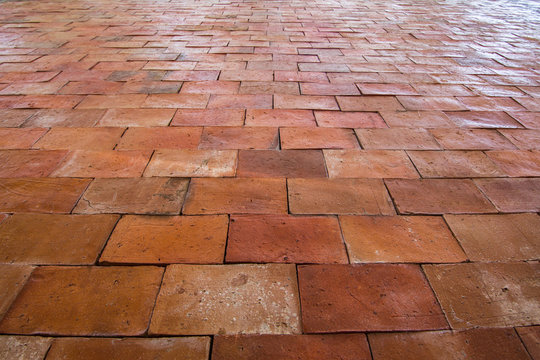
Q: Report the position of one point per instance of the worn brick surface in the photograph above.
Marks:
(512, 195)
(160, 138)
(24, 347)
(285, 163)
(80, 139)
(12, 280)
(369, 164)
(530, 336)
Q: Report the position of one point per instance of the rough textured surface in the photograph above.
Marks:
(192, 163)
(531, 339)
(24, 347)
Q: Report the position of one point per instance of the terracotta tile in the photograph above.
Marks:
(91, 87)
(80, 139)
(239, 138)
(29, 163)
(531, 339)
(368, 103)
(13, 117)
(454, 164)
(303, 76)
(509, 237)
(278, 117)
(328, 89)
(19, 138)
(371, 297)
(80, 163)
(486, 295)
(231, 299)
(397, 139)
(150, 87)
(192, 163)
(431, 103)
(240, 102)
(169, 65)
(285, 239)
(523, 139)
(36, 238)
(24, 347)
(134, 196)
(323, 67)
(492, 90)
(196, 348)
(136, 117)
(160, 138)
(124, 101)
(284, 163)
(167, 239)
(48, 102)
(424, 119)
(187, 75)
(210, 87)
(339, 196)
(317, 138)
(269, 87)
(530, 120)
(512, 195)
(441, 90)
(438, 196)
(471, 139)
(369, 164)
(246, 75)
(385, 89)
(65, 118)
(289, 347)
(209, 117)
(517, 163)
(417, 239)
(236, 196)
(474, 344)
(481, 103)
(178, 101)
(339, 119)
(46, 195)
(12, 280)
(483, 119)
(106, 300)
(308, 102)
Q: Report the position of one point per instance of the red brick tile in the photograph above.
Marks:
(14, 117)
(487, 238)
(65, 118)
(91, 87)
(424, 119)
(213, 117)
(483, 119)
(236, 196)
(302, 76)
(368, 103)
(287, 239)
(339, 119)
(431, 103)
(192, 163)
(12, 280)
(240, 102)
(80, 139)
(305, 102)
(278, 117)
(45, 195)
(124, 101)
(246, 75)
(473, 344)
(210, 87)
(471, 139)
(369, 164)
(523, 139)
(386, 89)
(167, 239)
(480, 103)
(19, 138)
(486, 295)
(196, 348)
(285, 163)
(36, 238)
(136, 117)
(231, 299)
(289, 347)
(397, 139)
(160, 138)
(133, 195)
(179, 101)
(530, 336)
(454, 164)
(24, 347)
(80, 163)
(418, 239)
(328, 89)
(269, 87)
(107, 301)
(150, 87)
(512, 195)
(375, 297)
(517, 163)
(339, 196)
(186, 75)
(239, 138)
(29, 163)
(438, 196)
(317, 138)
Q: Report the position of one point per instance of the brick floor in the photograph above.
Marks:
(298, 179)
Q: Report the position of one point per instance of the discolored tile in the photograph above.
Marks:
(396, 139)
(369, 164)
(24, 347)
(284, 163)
(80, 139)
(239, 138)
(160, 138)
(317, 138)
